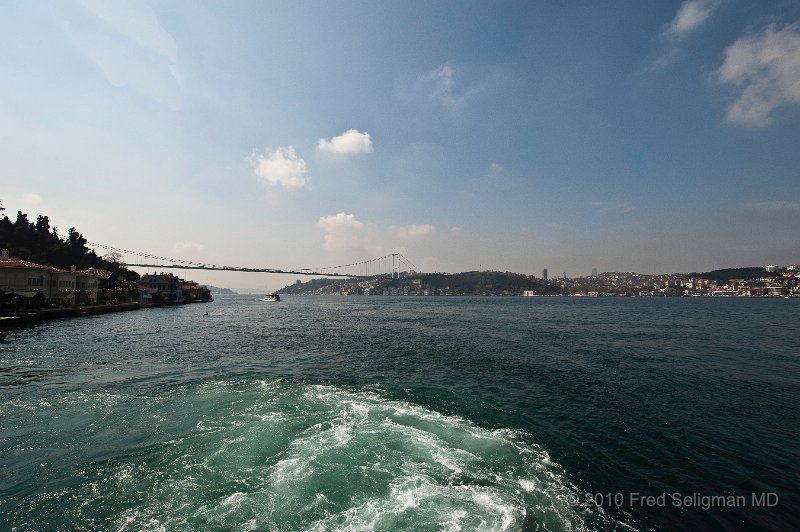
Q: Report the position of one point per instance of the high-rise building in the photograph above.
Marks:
(594, 272)
(544, 274)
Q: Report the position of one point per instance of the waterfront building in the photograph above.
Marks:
(86, 285)
(167, 285)
(23, 284)
(544, 274)
(776, 290)
(31, 285)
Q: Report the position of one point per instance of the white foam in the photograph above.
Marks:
(447, 461)
(495, 504)
(234, 500)
(289, 443)
(453, 524)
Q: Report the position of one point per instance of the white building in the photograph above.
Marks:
(29, 280)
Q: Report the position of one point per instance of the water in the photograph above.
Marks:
(394, 413)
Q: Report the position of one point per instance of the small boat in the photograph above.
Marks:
(271, 297)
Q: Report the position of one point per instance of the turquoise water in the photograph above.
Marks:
(404, 414)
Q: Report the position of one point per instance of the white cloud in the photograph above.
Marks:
(690, 16)
(351, 142)
(131, 48)
(456, 229)
(442, 86)
(412, 231)
(765, 67)
(282, 167)
(187, 247)
(442, 79)
(135, 21)
(342, 231)
(774, 206)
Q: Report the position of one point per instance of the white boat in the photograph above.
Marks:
(271, 297)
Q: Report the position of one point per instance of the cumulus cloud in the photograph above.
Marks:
(690, 16)
(281, 167)
(412, 231)
(456, 229)
(765, 69)
(342, 231)
(774, 206)
(351, 142)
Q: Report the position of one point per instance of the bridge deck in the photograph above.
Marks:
(237, 269)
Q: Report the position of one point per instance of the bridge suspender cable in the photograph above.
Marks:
(378, 263)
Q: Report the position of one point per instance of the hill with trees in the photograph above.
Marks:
(40, 243)
(465, 283)
(726, 274)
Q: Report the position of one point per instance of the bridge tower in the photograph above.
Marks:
(395, 265)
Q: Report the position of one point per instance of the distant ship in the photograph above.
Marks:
(271, 297)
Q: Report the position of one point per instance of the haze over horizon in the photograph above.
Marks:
(654, 138)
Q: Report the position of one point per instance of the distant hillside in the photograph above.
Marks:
(218, 290)
(309, 287)
(465, 283)
(726, 274)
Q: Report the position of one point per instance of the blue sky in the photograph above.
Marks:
(627, 136)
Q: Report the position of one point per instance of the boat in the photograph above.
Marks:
(272, 297)
(2, 335)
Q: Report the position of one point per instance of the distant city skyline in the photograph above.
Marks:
(654, 138)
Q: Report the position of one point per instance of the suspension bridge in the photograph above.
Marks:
(366, 268)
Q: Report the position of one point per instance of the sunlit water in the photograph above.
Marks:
(393, 413)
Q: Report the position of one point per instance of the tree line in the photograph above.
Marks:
(40, 243)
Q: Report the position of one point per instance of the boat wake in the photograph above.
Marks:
(282, 455)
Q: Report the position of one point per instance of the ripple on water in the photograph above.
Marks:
(261, 455)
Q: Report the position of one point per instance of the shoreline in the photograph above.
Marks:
(86, 310)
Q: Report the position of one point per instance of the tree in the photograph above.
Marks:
(112, 257)
(76, 248)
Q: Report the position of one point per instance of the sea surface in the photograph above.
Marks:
(393, 413)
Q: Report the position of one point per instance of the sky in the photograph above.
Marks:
(654, 137)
